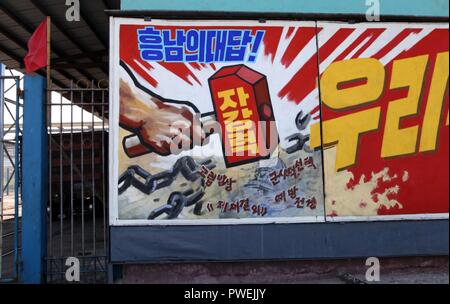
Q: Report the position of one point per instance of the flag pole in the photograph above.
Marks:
(49, 81)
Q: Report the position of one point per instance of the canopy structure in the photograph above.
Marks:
(79, 48)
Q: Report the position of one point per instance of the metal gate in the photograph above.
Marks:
(10, 174)
(77, 221)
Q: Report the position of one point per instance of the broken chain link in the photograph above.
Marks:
(301, 123)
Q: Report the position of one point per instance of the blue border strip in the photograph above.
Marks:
(417, 8)
(279, 241)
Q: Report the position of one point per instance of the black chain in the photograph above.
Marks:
(176, 202)
(147, 183)
(174, 206)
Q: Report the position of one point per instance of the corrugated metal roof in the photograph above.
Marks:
(79, 48)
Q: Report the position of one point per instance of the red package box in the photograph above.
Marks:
(244, 110)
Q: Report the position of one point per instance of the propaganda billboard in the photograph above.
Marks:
(240, 122)
(209, 124)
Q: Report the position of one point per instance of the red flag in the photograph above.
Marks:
(36, 57)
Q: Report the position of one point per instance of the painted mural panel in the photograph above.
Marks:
(212, 122)
(384, 92)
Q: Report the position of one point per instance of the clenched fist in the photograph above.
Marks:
(160, 125)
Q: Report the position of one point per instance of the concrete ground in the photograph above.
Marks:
(416, 270)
